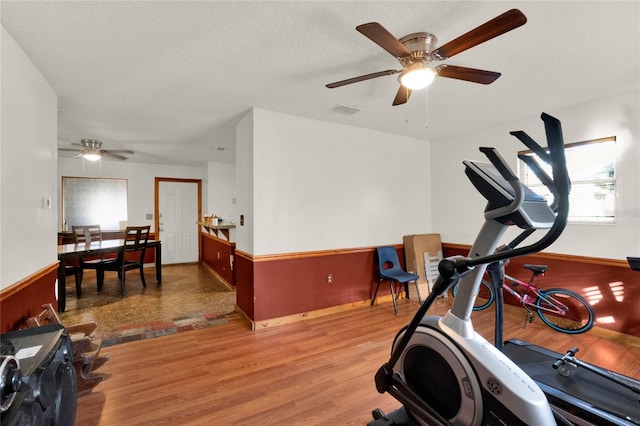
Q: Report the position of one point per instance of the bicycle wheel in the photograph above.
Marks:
(485, 296)
(565, 311)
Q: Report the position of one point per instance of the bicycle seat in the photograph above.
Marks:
(536, 269)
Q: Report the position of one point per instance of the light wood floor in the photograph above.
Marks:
(316, 372)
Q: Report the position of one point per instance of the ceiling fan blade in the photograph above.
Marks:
(468, 74)
(112, 155)
(499, 25)
(361, 78)
(402, 96)
(69, 149)
(383, 38)
(117, 151)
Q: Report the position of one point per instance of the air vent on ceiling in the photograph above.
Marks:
(346, 110)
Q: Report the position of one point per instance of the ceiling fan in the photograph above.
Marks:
(91, 149)
(415, 51)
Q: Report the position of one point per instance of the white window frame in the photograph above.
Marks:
(528, 178)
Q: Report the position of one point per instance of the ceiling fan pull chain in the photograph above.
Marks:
(426, 107)
(406, 110)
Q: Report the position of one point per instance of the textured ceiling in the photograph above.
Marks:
(169, 80)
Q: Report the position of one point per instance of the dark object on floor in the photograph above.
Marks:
(41, 386)
(634, 263)
(86, 347)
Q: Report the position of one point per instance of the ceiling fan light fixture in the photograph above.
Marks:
(91, 156)
(416, 76)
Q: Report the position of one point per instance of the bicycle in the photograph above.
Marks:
(562, 310)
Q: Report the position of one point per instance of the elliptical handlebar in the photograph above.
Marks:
(501, 165)
(559, 187)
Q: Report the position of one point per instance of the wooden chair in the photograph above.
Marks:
(77, 272)
(86, 347)
(85, 234)
(132, 257)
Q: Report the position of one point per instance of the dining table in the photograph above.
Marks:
(68, 252)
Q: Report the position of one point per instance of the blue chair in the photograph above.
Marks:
(389, 269)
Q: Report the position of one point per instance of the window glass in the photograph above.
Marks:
(591, 166)
(94, 201)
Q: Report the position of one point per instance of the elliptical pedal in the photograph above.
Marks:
(399, 417)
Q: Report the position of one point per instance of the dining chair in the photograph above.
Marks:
(132, 257)
(76, 271)
(85, 234)
(389, 269)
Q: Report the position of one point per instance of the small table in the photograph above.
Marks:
(67, 252)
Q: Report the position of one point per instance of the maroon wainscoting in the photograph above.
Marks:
(611, 287)
(283, 285)
(24, 299)
(219, 255)
(244, 283)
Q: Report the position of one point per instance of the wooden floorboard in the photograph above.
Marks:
(315, 372)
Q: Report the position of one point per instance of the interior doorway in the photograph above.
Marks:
(178, 208)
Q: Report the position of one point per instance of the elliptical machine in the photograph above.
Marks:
(440, 369)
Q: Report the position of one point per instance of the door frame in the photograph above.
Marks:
(156, 207)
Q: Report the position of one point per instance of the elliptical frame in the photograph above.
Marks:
(489, 387)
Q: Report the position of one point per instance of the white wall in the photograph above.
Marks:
(322, 186)
(140, 184)
(222, 193)
(28, 166)
(244, 183)
(457, 207)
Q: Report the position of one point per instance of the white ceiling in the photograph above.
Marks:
(169, 80)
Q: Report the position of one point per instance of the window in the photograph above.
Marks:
(94, 201)
(591, 166)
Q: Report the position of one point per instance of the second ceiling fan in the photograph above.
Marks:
(415, 51)
(91, 149)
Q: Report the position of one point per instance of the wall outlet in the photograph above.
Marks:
(329, 279)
